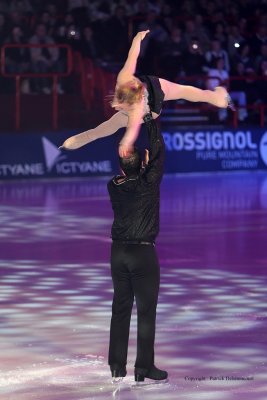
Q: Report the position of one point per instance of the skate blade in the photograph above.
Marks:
(151, 382)
(231, 104)
(117, 380)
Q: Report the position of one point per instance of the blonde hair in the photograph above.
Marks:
(130, 92)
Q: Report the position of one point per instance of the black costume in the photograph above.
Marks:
(134, 264)
(155, 93)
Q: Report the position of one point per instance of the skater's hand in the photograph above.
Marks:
(141, 35)
(69, 144)
(125, 150)
(146, 160)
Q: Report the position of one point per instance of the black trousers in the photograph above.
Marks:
(135, 273)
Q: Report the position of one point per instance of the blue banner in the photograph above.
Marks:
(222, 150)
(37, 155)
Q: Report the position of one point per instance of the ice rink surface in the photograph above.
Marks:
(56, 290)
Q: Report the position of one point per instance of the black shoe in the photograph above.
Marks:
(153, 373)
(117, 371)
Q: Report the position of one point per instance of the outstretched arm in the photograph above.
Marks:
(136, 113)
(129, 67)
(117, 121)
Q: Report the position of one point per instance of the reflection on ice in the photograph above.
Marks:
(56, 291)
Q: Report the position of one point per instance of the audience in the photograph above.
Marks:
(187, 38)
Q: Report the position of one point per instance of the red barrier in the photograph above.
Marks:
(53, 75)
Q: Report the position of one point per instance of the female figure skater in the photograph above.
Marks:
(136, 96)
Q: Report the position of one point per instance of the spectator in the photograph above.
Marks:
(21, 6)
(141, 8)
(233, 13)
(4, 6)
(166, 18)
(202, 33)
(16, 18)
(60, 35)
(73, 37)
(244, 31)
(17, 58)
(252, 86)
(3, 28)
(80, 11)
(220, 34)
(202, 7)
(188, 8)
(218, 76)
(211, 8)
(88, 45)
(128, 5)
(195, 31)
(217, 18)
(172, 54)
(68, 19)
(260, 58)
(101, 10)
(45, 59)
(193, 63)
(101, 32)
(53, 11)
(238, 90)
(212, 14)
(156, 6)
(166, 10)
(49, 22)
(118, 34)
(239, 83)
(216, 52)
(258, 39)
(156, 31)
(263, 83)
(244, 56)
(234, 41)
(151, 45)
(68, 33)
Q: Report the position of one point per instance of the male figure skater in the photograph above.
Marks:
(134, 264)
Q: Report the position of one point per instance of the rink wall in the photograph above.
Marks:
(24, 156)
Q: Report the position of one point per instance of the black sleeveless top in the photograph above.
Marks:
(155, 93)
